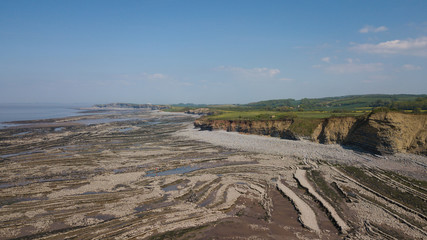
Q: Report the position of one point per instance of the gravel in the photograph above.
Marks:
(408, 164)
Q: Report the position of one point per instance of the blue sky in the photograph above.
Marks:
(209, 51)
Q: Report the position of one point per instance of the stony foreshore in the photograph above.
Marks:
(150, 175)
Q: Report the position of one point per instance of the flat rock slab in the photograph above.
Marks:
(307, 216)
(300, 175)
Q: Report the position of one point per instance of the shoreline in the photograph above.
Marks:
(128, 173)
(72, 120)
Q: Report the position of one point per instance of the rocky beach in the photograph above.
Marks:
(148, 174)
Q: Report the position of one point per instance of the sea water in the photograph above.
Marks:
(21, 112)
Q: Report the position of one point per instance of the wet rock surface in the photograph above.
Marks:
(150, 175)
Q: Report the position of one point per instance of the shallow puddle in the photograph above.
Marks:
(104, 217)
(21, 183)
(98, 121)
(8, 125)
(153, 123)
(210, 198)
(20, 134)
(92, 192)
(120, 170)
(19, 154)
(171, 188)
(106, 120)
(125, 129)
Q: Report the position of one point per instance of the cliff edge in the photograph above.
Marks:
(390, 133)
(383, 132)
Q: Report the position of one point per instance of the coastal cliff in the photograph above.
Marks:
(383, 132)
(390, 133)
(274, 128)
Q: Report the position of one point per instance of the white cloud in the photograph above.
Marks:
(410, 67)
(380, 78)
(352, 67)
(143, 76)
(251, 72)
(415, 47)
(155, 76)
(326, 59)
(185, 84)
(286, 79)
(368, 29)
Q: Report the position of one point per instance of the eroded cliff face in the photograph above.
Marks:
(274, 128)
(385, 132)
(390, 133)
(333, 130)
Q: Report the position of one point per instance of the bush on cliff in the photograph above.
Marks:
(304, 126)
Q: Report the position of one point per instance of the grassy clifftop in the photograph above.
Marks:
(277, 115)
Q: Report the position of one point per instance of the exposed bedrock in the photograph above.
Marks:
(384, 132)
(390, 133)
(274, 128)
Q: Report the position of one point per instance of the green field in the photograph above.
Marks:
(314, 108)
(348, 103)
(275, 115)
(343, 103)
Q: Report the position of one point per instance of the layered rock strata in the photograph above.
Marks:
(384, 132)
